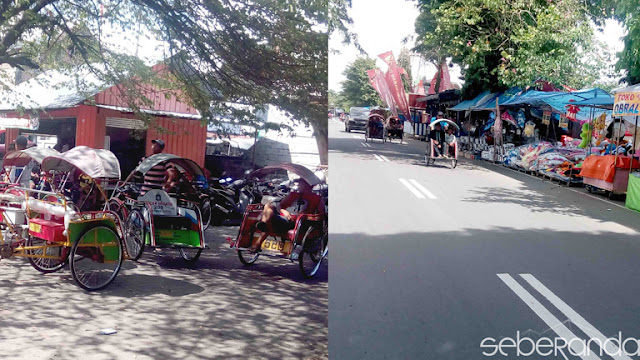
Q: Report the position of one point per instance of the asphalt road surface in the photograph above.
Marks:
(163, 309)
(428, 262)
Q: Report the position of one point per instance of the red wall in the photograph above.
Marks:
(186, 138)
(161, 102)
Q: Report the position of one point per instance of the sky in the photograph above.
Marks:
(378, 36)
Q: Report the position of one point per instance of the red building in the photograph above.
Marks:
(101, 119)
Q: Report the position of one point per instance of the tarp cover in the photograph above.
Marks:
(303, 172)
(96, 163)
(468, 104)
(153, 160)
(22, 157)
(633, 193)
(602, 167)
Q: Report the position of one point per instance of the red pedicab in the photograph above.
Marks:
(306, 242)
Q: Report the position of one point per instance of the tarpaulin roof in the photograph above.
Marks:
(559, 100)
(490, 102)
(468, 104)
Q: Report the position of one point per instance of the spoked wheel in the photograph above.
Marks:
(49, 259)
(205, 210)
(134, 234)
(117, 206)
(190, 255)
(247, 257)
(313, 246)
(96, 258)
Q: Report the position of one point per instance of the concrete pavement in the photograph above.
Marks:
(163, 309)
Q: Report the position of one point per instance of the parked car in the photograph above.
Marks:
(358, 118)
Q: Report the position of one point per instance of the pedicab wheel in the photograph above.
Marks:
(454, 162)
(118, 207)
(190, 255)
(366, 134)
(589, 189)
(45, 265)
(95, 267)
(134, 234)
(206, 213)
(313, 245)
(247, 257)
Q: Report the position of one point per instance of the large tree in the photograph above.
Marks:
(356, 88)
(500, 44)
(220, 52)
(404, 61)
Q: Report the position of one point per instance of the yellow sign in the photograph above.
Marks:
(35, 227)
(626, 104)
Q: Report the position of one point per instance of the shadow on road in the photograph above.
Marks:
(165, 310)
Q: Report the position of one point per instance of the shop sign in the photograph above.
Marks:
(626, 104)
(20, 123)
(546, 117)
(564, 122)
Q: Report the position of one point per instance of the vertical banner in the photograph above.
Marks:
(394, 82)
(377, 80)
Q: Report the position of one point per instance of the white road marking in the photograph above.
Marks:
(355, 136)
(378, 157)
(384, 158)
(411, 188)
(546, 316)
(423, 189)
(363, 144)
(572, 315)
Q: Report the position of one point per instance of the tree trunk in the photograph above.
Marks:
(322, 139)
(439, 76)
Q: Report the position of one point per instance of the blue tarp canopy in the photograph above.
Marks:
(558, 101)
(468, 104)
(489, 103)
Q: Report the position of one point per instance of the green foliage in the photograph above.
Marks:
(356, 88)
(339, 22)
(404, 61)
(500, 44)
(219, 52)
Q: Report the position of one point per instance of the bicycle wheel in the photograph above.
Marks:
(247, 257)
(134, 234)
(313, 244)
(117, 206)
(40, 263)
(96, 258)
(190, 255)
(205, 210)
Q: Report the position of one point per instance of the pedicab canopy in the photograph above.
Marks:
(96, 163)
(23, 157)
(303, 172)
(153, 160)
(444, 121)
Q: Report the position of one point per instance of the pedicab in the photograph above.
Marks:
(376, 128)
(306, 242)
(395, 128)
(159, 219)
(57, 232)
(450, 151)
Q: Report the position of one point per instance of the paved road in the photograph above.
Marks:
(429, 261)
(162, 309)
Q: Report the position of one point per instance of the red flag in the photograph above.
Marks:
(445, 80)
(376, 78)
(394, 82)
(372, 79)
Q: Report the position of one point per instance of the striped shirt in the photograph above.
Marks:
(154, 178)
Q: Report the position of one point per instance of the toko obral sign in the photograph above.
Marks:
(626, 104)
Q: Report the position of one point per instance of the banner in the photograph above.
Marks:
(626, 104)
(445, 80)
(377, 80)
(394, 83)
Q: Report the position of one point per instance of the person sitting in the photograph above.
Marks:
(450, 141)
(277, 219)
(437, 137)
